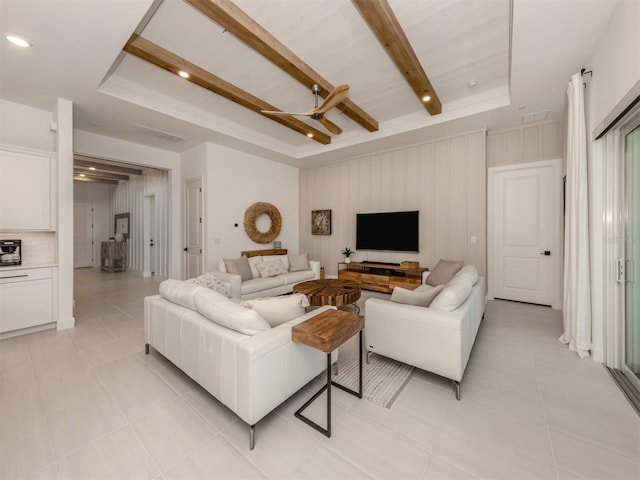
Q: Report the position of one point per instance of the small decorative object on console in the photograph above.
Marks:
(347, 253)
(321, 222)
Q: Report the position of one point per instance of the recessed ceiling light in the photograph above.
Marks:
(183, 74)
(310, 135)
(20, 42)
(472, 83)
(82, 175)
(92, 168)
(426, 98)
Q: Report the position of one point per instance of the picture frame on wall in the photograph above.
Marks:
(321, 222)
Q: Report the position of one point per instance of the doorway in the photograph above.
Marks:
(524, 233)
(150, 236)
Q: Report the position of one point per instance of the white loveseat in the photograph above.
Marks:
(438, 338)
(258, 286)
(230, 350)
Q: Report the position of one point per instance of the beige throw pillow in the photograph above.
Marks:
(443, 272)
(298, 263)
(271, 268)
(278, 310)
(421, 296)
(239, 266)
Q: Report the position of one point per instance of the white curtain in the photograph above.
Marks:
(577, 274)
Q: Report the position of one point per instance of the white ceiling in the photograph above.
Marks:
(77, 55)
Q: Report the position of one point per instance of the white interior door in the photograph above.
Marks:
(193, 228)
(149, 236)
(82, 235)
(524, 233)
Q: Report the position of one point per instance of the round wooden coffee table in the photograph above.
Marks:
(330, 291)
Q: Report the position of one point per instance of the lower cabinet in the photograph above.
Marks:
(26, 298)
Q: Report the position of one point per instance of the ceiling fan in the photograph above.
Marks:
(336, 96)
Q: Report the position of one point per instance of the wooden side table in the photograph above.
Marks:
(326, 332)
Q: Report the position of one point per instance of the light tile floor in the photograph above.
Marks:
(86, 403)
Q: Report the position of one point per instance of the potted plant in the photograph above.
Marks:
(347, 253)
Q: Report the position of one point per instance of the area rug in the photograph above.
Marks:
(382, 380)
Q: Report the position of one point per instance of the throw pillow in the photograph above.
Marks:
(444, 271)
(421, 297)
(468, 271)
(209, 280)
(283, 258)
(239, 266)
(224, 311)
(271, 269)
(453, 295)
(298, 263)
(278, 310)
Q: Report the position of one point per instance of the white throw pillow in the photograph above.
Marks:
(278, 310)
(180, 292)
(209, 280)
(252, 265)
(469, 271)
(224, 311)
(271, 268)
(421, 296)
(283, 258)
(453, 295)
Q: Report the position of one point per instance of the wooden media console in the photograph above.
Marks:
(381, 277)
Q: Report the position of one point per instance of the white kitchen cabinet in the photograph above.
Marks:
(26, 200)
(26, 298)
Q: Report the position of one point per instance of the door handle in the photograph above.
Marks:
(186, 249)
(546, 252)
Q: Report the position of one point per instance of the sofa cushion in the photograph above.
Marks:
(278, 310)
(224, 311)
(239, 266)
(283, 258)
(298, 263)
(443, 272)
(453, 294)
(421, 296)
(296, 277)
(209, 280)
(469, 271)
(259, 284)
(271, 268)
(252, 264)
(180, 292)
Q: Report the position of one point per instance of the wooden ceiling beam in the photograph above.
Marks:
(95, 180)
(155, 54)
(384, 24)
(96, 174)
(88, 162)
(247, 30)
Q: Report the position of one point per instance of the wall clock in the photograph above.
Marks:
(321, 222)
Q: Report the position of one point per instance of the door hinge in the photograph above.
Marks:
(620, 270)
(200, 189)
(200, 250)
(200, 219)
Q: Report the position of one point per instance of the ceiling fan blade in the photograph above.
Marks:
(279, 113)
(336, 96)
(329, 125)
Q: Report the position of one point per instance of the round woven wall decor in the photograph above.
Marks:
(251, 216)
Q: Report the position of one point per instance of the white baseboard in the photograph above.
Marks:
(598, 355)
(146, 274)
(65, 323)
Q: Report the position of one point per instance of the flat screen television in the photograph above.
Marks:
(395, 231)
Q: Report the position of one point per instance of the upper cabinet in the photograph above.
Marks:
(26, 191)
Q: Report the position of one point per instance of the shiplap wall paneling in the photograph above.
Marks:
(444, 180)
(524, 144)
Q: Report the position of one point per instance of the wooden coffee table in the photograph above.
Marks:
(326, 332)
(330, 291)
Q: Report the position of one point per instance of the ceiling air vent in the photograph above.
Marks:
(535, 117)
(153, 132)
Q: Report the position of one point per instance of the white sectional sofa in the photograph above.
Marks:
(437, 338)
(232, 351)
(258, 286)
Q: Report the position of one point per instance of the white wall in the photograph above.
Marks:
(616, 69)
(106, 147)
(25, 126)
(99, 195)
(233, 181)
(444, 179)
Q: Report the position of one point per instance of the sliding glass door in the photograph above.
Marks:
(632, 252)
